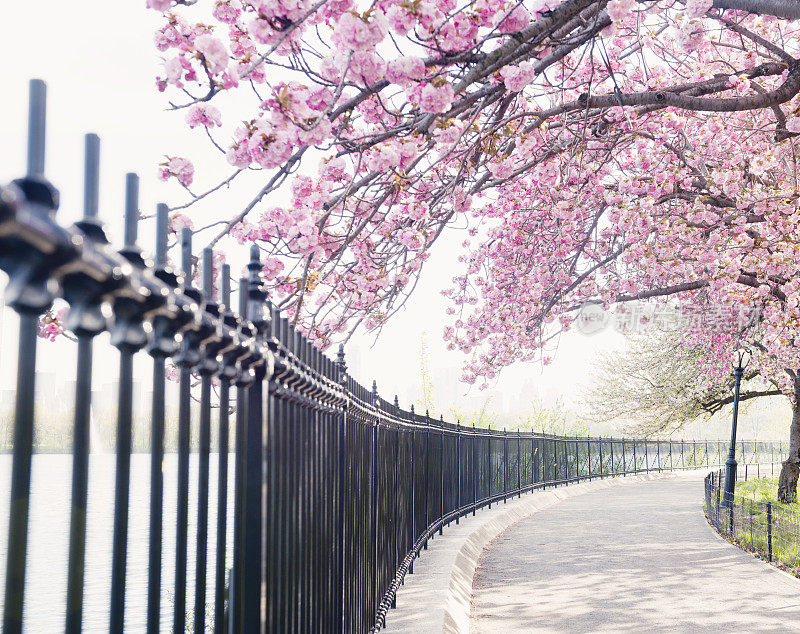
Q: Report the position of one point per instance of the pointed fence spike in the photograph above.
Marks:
(186, 255)
(225, 285)
(131, 209)
(208, 273)
(37, 116)
(91, 177)
(162, 232)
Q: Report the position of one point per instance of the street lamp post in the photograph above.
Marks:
(742, 358)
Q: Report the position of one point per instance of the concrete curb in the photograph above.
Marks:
(458, 604)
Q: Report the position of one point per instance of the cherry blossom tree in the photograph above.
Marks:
(591, 151)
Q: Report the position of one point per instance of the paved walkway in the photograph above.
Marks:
(637, 558)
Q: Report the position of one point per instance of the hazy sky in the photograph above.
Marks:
(99, 64)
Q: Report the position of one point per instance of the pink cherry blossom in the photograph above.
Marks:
(697, 8)
(405, 70)
(516, 78)
(214, 53)
(618, 10)
(358, 33)
(179, 221)
(51, 324)
(436, 99)
(178, 168)
(412, 239)
(159, 5)
(517, 20)
(203, 114)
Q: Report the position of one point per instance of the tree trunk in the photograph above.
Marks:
(787, 482)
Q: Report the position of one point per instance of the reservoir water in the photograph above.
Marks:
(48, 535)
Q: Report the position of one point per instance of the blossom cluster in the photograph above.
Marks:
(538, 128)
(51, 324)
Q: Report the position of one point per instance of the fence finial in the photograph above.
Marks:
(37, 115)
(89, 224)
(186, 256)
(342, 364)
(208, 274)
(131, 251)
(131, 209)
(225, 285)
(84, 292)
(91, 177)
(256, 293)
(162, 232)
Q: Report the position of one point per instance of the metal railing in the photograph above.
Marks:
(768, 529)
(336, 489)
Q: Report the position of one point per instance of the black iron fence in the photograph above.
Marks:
(768, 529)
(336, 489)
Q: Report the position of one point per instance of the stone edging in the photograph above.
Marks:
(458, 604)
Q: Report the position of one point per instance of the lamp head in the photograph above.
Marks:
(741, 357)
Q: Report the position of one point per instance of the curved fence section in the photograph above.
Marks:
(769, 530)
(335, 489)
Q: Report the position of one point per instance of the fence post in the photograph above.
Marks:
(158, 350)
(635, 464)
(624, 459)
(441, 472)
(341, 492)
(84, 297)
(505, 465)
(205, 369)
(252, 556)
(396, 491)
(26, 376)
(474, 470)
(611, 442)
(458, 469)
(600, 453)
(769, 531)
(427, 473)
(222, 469)
(128, 336)
(235, 609)
(414, 500)
(519, 462)
(374, 502)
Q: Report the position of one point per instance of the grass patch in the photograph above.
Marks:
(762, 490)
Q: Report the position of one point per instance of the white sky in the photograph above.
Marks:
(99, 64)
